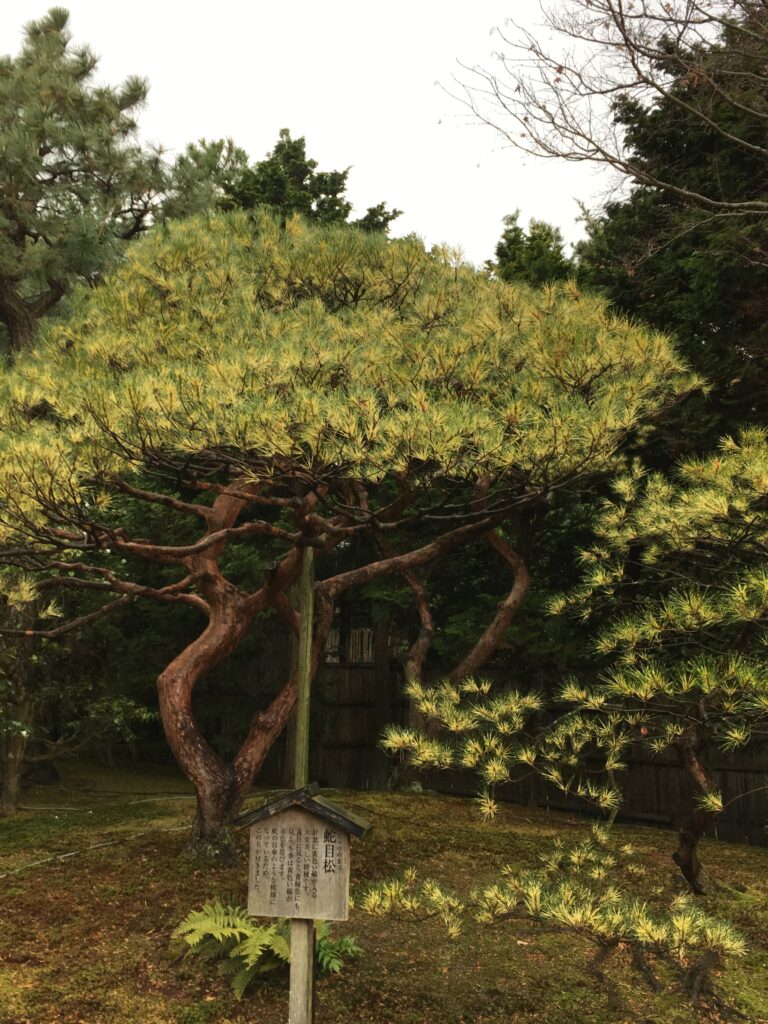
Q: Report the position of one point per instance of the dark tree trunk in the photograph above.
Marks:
(697, 981)
(487, 645)
(13, 746)
(18, 318)
(595, 968)
(21, 315)
(221, 787)
(695, 824)
(12, 749)
(641, 965)
(686, 855)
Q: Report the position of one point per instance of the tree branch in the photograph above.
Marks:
(336, 585)
(413, 663)
(488, 643)
(171, 554)
(68, 627)
(203, 511)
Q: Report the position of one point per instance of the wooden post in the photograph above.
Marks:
(300, 1000)
(304, 668)
(379, 763)
(302, 971)
(299, 845)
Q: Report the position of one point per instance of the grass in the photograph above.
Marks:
(86, 938)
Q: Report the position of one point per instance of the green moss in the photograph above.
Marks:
(88, 938)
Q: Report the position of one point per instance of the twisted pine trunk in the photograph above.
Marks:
(21, 314)
(220, 786)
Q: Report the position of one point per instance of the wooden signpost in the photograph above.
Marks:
(299, 849)
(299, 860)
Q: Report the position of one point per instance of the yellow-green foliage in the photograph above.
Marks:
(478, 731)
(689, 559)
(582, 888)
(407, 896)
(323, 349)
(492, 735)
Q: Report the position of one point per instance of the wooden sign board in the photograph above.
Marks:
(299, 867)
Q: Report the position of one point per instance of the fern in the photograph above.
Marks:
(248, 949)
(216, 922)
(331, 953)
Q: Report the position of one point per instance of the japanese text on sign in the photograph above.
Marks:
(299, 867)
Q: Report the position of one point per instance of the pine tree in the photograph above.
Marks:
(293, 385)
(288, 181)
(675, 587)
(73, 182)
(595, 889)
(535, 257)
(678, 582)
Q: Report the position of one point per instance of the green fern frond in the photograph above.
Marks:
(248, 949)
(214, 921)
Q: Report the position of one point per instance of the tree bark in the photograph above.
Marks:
(18, 318)
(21, 314)
(641, 965)
(19, 705)
(595, 968)
(695, 824)
(217, 805)
(413, 665)
(697, 978)
(12, 748)
(488, 643)
(214, 780)
(221, 787)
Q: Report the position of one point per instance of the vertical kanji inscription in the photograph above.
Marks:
(299, 867)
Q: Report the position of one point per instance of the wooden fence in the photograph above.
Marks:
(351, 705)
(353, 700)
(656, 793)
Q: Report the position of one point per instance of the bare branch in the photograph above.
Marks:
(487, 645)
(413, 663)
(335, 585)
(68, 627)
(172, 554)
(203, 511)
(557, 90)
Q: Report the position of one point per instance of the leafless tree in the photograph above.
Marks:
(556, 92)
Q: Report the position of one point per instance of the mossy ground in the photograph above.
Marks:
(86, 939)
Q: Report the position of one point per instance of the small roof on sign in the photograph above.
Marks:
(308, 800)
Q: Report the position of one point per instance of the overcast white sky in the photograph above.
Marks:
(359, 80)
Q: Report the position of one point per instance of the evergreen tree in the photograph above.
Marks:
(201, 177)
(74, 186)
(73, 182)
(288, 182)
(305, 384)
(593, 888)
(678, 585)
(673, 95)
(535, 257)
(675, 586)
(699, 274)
